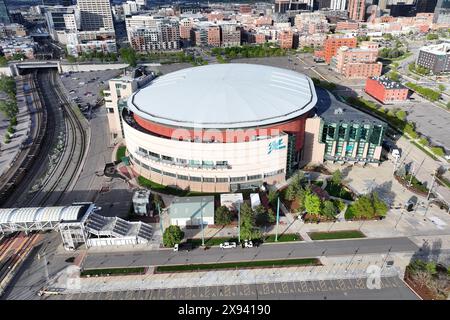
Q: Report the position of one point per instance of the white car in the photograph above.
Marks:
(228, 245)
(175, 247)
(248, 244)
(447, 157)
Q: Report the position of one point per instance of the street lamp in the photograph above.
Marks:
(239, 222)
(278, 218)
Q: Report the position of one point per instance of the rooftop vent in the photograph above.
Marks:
(339, 111)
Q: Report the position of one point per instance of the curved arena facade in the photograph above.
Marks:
(219, 128)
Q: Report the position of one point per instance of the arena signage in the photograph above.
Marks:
(276, 145)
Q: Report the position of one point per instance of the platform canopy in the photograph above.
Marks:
(39, 218)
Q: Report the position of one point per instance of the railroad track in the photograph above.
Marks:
(62, 175)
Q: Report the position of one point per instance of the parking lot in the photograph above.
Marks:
(83, 88)
(391, 288)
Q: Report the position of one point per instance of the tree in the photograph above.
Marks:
(223, 216)
(248, 225)
(172, 235)
(312, 203)
(432, 36)
(157, 201)
(328, 209)
(369, 206)
(272, 197)
(442, 87)
(263, 216)
(336, 178)
(129, 56)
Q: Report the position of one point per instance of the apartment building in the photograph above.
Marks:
(230, 35)
(385, 90)
(95, 14)
(333, 43)
(356, 9)
(286, 39)
(357, 63)
(311, 22)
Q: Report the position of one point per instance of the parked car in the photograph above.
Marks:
(228, 245)
(247, 244)
(175, 247)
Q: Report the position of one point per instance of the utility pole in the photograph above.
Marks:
(278, 218)
(239, 222)
(412, 170)
(433, 178)
(201, 222)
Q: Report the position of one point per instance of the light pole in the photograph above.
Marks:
(433, 177)
(201, 222)
(239, 222)
(278, 218)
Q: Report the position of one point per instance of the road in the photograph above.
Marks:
(264, 252)
(392, 288)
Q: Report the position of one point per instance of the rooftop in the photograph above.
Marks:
(442, 48)
(388, 83)
(224, 96)
(189, 207)
(332, 110)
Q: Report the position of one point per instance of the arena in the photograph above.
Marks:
(219, 128)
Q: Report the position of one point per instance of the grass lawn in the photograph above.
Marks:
(286, 237)
(240, 265)
(169, 190)
(345, 234)
(424, 150)
(338, 191)
(114, 271)
(120, 153)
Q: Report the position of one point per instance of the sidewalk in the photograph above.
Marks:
(333, 268)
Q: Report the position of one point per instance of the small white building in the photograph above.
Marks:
(141, 202)
(231, 200)
(255, 200)
(190, 211)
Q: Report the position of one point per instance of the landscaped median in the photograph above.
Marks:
(239, 265)
(332, 235)
(112, 272)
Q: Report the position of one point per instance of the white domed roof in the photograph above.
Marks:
(225, 96)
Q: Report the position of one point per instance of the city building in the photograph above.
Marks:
(12, 30)
(192, 211)
(356, 9)
(224, 136)
(435, 57)
(116, 99)
(385, 90)
(286, 39)
(4, 13)
(333, 43)
(311, 23)
(347, 26)
(18, 46)
(338, 4)
(214, 36)
(61, 20)
(95, 15)
(340, 133)
(282, 6)
(230, 35)
(442, 12)
(357, 63)
(164, 36)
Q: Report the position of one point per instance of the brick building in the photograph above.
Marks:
(386, 90)
(357, 63)
(286, 39)
(214, 36)
(332, 44)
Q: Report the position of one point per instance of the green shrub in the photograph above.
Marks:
(401, 114)
(423, 141)
(439, 151)
(410, 130)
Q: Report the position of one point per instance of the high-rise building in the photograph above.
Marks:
(95, 15)
(4, 14)
(356, 9)
(338, 4)
(56, 2)
(442, 12)
(281, 6)
(426, 5)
